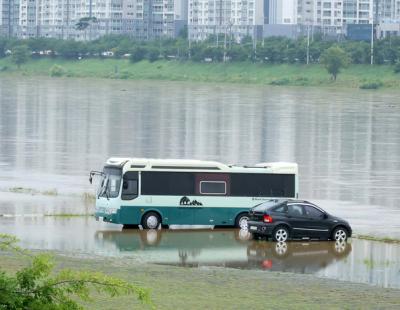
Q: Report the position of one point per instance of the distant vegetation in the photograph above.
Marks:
(273, 50)
(274, 61)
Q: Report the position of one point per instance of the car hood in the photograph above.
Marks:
(338, 220)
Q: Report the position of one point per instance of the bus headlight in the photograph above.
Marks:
(111, 210)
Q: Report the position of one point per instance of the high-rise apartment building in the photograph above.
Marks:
(9, 14)
(236, 18)
(333, 15)
(141, 19)
(151, 19)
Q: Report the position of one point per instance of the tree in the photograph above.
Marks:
(84, 23)
(3, 46)
(138, 53)
(20, 55)
(152, 54)
(70, 48)
(334, 59)
(39, 287)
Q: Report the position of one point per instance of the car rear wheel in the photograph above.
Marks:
(281, 234)
(340, 234)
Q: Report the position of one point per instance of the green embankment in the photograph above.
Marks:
(223, 288)
(354, 76)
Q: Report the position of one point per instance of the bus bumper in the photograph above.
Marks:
(109, 218)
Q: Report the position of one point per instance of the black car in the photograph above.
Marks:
(295, 219)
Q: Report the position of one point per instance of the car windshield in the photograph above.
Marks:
(110, 183)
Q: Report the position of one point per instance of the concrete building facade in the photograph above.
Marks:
(141, 19)
(152, 19)
(236, 18)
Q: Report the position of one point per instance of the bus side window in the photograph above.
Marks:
(129, 186)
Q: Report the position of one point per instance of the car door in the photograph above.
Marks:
(297, 220)
(317, 225)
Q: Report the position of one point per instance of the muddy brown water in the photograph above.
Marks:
(361, 261)
(347, 144)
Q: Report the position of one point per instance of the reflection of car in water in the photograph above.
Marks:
(298, 257)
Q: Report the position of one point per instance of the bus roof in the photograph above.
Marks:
(149, 164)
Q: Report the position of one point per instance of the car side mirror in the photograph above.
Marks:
(325, 216)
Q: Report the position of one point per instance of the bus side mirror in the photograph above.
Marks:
(90, 179)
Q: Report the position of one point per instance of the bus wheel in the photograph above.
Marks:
(151, 220)
(241, 221)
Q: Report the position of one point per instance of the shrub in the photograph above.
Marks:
(57, 71)
(39, 286)
(152, 54)
(371, 85)
(397, 67)
(284, 81)
(137, 54)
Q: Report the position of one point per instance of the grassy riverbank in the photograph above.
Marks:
(355, 76)
(220, 288)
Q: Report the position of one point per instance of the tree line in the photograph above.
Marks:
(274, 50)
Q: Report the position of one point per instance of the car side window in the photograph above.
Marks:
(313, 212)
(281, 209)
(295, 210)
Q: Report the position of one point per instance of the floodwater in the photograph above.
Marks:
(361, 261)
(346, 142)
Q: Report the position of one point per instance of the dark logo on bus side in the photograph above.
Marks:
(187, 202)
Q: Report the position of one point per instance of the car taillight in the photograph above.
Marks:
(266, 264)
(267, 218)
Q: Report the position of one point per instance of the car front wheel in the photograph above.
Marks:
(340, 234)
(281, 234)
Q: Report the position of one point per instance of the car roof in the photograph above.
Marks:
(276, 202)
(285, 200)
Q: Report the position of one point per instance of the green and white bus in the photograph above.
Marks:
(154, 192)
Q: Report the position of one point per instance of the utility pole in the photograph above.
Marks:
(225, 44)
(90, 20)
(190, 43)
(308, 44)
(372, 42)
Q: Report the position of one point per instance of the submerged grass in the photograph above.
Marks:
(381, 239)
(32, 191)
(23, 190)
(88, 197)
(354, 76)
(69, 215)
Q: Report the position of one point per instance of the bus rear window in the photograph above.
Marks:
(262, 185)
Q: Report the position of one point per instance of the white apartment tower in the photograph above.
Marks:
(237, 18)
(333, 15)
(141, 19)
(283, 12)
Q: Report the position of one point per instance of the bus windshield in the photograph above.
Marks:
(110, 182)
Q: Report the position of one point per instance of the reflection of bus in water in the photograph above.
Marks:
(223, 247)
(178, 247)
(150, 192)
